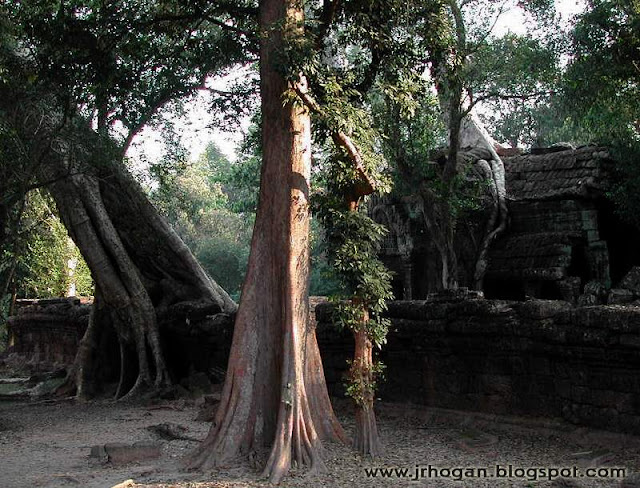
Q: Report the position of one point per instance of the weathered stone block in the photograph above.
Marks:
(537, 357)
(121, 453)
(630, 340)
(620, 296)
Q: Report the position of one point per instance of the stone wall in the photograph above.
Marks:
(538, 358)
(47, 332)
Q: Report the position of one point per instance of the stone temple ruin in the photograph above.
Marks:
(563, 240)
(47, 332)
(564, 237)
(556, 335)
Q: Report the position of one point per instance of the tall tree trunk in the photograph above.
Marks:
(274, 365)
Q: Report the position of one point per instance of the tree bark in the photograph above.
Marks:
(362, 375)
(366, 440)
(274, 367)
(498, 219)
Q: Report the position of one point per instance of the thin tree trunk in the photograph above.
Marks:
(274, 363)
(439, 222)
(362, 377)
(366, 440)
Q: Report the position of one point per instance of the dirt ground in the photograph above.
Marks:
(48, 445)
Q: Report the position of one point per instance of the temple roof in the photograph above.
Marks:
(567, 173)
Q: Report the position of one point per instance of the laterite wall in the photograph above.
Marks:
(538, 357)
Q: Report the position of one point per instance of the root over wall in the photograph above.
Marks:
(541, 358)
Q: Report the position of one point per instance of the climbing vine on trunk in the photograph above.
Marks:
(352, 171)
(353, 243)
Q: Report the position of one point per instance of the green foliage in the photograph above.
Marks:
(353, 241)
(514, 76)
(625, 191)
(410, 137)
(595, 97)
(411, 145)
(122, 60)
(322, 279)
(364, 46)
(242, 184)
(363, 380)
(43, 253)
(211, 204)
(602, 79)
(35, 258)
(598, 98)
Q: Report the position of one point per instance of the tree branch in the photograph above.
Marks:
(366, 186)
(461, 35)
(507, 96)
(231, 28)
(329, 9)
(488, 32)
(371, 72)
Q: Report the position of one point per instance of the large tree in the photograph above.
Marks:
(274, 394)
(93, 65)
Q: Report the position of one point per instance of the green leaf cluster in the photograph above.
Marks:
(35, 258)
(118, 60)
(353, 241)
(362, 381)
(211, 204)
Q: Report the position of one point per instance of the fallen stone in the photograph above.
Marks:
(99, 453)
(619, 296)
(66, 479)
(207, 408)
(472, 439)
(170, 431)
(125, 484)
(595, 293)
(121, 453)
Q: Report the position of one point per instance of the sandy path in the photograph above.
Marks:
(48, 446)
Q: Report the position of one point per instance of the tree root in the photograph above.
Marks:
(366, 440)
(296, 443)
